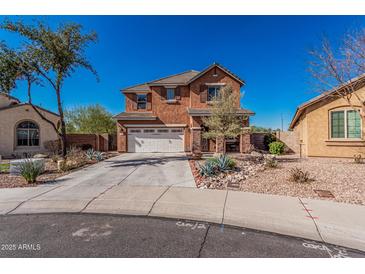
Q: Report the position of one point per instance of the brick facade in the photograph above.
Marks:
(98, 142)
(190, 95)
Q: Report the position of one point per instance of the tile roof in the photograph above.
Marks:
(176, 79)
(26, 104)
(183, 78)
(135, 116)
(219, 66)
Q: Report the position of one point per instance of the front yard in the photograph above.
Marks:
(74, 161)
(343, 178)
(10, 181)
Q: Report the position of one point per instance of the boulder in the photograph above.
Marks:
(40, 156)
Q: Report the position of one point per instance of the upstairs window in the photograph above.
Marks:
(213, 92)
(27, 134)
(170, 94)
(141, 101)
(345, 124)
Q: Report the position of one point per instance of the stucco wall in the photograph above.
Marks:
(9, 118)
(6, 101)
(314, 130)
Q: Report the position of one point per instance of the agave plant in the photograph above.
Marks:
(208, 169)
(225, 163)
(99, 156)
(90, 154)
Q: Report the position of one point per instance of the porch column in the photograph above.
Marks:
(245, 143)
(196, 138)
(121, 138)
(220, 145)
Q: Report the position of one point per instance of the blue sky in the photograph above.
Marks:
(268, 52)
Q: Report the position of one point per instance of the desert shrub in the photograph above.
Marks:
(276, 148)
(4, 168)
(99, 156)
(268, 139)
(298, 175)
(53, 146)
(208, 169)
(271, 162)
(55, 158)
(30, 170)
(357, 159)
(75, 158)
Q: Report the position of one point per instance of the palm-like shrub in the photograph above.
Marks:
(30, 170)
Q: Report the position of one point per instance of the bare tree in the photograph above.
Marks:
(339, 72)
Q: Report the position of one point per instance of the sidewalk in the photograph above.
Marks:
(330, 222)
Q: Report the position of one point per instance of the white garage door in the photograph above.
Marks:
(156, 140)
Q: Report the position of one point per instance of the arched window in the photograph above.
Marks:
(27, 134)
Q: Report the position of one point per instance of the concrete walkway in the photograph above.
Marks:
(330, 222)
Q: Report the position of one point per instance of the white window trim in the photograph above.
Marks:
(142, 101)
(212, 86)
(173, 100)
(345, 110)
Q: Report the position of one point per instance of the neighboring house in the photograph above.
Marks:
(165, 115)
(328, 126)
(22, 130)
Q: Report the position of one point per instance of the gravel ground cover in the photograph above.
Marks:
(342, 177)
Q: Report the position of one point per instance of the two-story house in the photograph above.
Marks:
(165, 115)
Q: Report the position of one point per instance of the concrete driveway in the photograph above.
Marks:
(142, 169)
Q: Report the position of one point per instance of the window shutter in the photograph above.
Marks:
(134, 101)
(149, 101)
(203, 94)
(177, 93)
(163, 93)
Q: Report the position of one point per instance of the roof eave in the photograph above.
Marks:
(242, 82)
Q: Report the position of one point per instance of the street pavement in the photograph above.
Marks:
(91, 235)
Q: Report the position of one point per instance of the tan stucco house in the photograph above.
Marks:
(328, 126)
(22, 130)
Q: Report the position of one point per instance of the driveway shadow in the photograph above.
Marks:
(154, 161)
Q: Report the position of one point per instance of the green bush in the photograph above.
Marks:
(30, 170)
(268, 139)
(276, 148)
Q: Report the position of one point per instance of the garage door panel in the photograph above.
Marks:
(156, 140)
